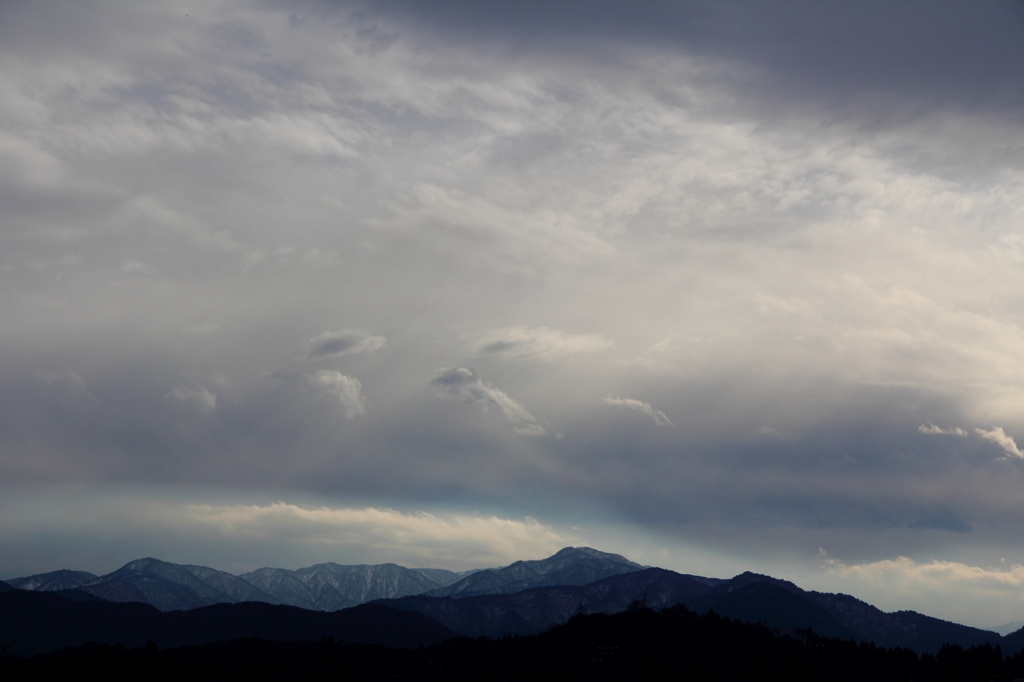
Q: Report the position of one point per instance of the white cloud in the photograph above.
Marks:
(435, 540)
(935, 574)
(974, 595)
(465, 385)
(643, 408)
(999, 437)
(537, 342)
(342, 342)
(932, 429)
(346, 390)
(199, 397)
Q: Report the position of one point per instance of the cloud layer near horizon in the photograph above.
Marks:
(239, 241)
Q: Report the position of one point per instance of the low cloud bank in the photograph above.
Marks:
(903, 583)
(452, 540)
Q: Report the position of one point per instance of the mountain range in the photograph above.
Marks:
(524, 598)
(322, 587)
(748, 597)
(177, 587)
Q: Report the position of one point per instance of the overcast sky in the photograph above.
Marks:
(718, 286)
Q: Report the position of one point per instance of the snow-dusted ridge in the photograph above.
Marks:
(323, 587)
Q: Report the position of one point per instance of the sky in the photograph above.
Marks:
(716, 286)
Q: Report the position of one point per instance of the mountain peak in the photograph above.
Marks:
(588, 551)
(143, 564)
(748, 577)
(568, 566)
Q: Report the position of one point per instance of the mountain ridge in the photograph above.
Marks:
(568, 566)
(524, 597)
(326, 586)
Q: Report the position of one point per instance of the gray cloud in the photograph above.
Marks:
(346, 390)
(932, 429)
(465, 385)
(1000, 438)
(643, 408)
(342, 342)
(795, 229)
(199, 396)
(540, 342)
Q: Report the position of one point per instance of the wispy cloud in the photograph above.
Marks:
(934, 430)
(643, 408)
(537, 342)
(468, 540)
(465, 385)
(1000, 438)
(952, 588)
(342, 342)
(932, 575)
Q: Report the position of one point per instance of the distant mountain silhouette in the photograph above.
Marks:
(785, 606)
(748, 597)
(1007, 628)
(173, 587)
(4, 587)
(1014, 641)
(53, 581)
(539, 608)
(35, 622)
(776, 607)
(331, 586)
(177, 587)
(323, 587)
(904, 628)
(525, 597)
(569, 566)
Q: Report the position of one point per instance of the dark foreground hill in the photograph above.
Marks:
(638, 644)
(748, 597)
(781, 604)
(36, 622)
(534, 610)
(525, 597)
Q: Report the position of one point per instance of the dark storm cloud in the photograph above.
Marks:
(838, 53)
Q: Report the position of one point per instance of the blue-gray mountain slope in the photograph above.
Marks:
(569, 566)
(331, 586)
(177, 587)
(173, 587)
(53, 581)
